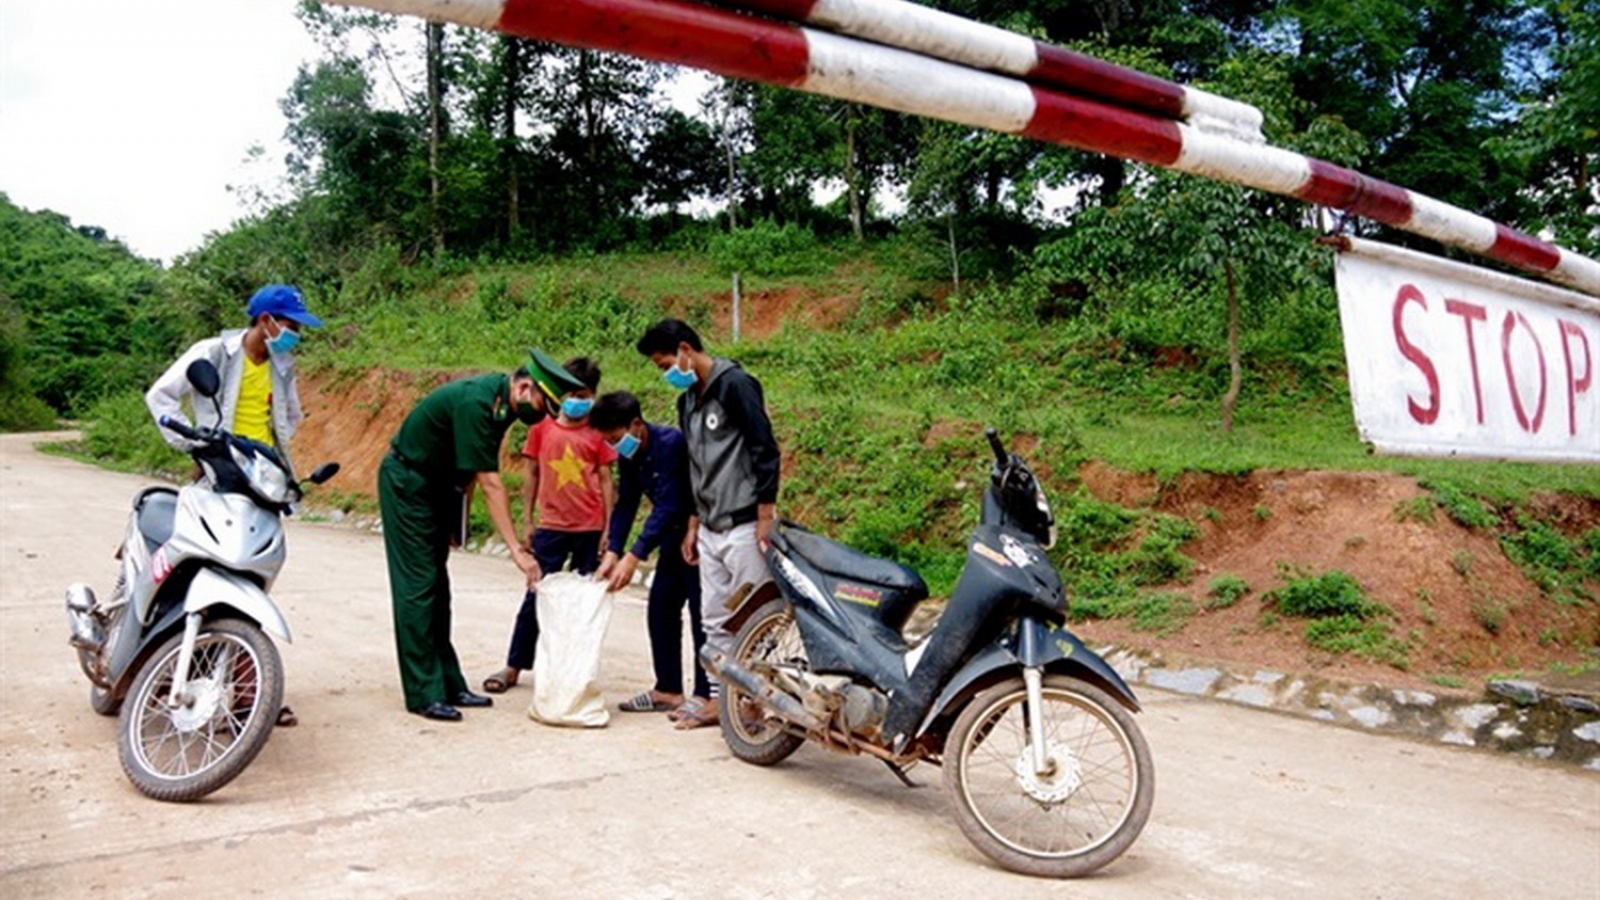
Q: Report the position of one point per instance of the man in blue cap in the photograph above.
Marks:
(260, 399)
(259, 396)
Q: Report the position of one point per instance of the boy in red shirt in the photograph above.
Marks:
(568, 486)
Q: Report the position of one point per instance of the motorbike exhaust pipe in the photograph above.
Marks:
(86, 632)
(773, 700)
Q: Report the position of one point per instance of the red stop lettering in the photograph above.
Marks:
(1424, 415)
(1506, 330)
(1575, 386)
(1470, 312)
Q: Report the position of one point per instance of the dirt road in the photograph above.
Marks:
(363, 800)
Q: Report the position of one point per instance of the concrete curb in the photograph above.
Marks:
(1519, 717)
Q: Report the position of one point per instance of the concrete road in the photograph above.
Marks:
(364, 800)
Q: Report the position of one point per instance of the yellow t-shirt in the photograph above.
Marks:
(253, 416)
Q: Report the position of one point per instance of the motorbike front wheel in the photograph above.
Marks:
(1083, 811)
(234, 689)
(102, 701)
(769, 637)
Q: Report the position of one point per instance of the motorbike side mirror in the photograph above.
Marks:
(324, 472)
(205, 379)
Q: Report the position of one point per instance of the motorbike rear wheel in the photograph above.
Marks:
(1084, 812)
(752, 734)
(235, 688)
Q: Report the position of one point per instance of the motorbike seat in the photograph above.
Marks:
(837, 559)
(158, 510)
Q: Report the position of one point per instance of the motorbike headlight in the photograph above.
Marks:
(270, 482)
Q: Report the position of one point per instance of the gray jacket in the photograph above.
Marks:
(226, 352)
(733, 457)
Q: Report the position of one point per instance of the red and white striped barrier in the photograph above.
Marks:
(920, 29)
(847, 68)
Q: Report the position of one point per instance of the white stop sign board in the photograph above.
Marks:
(1448, 359)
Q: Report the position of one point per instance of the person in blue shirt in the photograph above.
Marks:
(653, 461)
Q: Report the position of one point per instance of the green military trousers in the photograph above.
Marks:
(417, 516)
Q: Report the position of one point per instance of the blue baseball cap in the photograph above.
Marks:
(284, 301)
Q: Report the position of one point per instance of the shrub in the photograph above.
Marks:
(1333, 593)
(1417, 509)
(1225, 591)
(1465, 509)
(1557, 565)
(121, 432)
(21, 411)
(1163, 614)
(768, 249)
(1346, 633)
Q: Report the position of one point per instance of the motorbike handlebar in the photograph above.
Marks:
(183, 430)
(1000, 455)
(179, 428)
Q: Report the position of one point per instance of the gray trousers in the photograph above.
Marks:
(727, 561)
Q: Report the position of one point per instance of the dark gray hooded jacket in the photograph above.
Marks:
(733, 457)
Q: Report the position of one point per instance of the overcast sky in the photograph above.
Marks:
(136, 116)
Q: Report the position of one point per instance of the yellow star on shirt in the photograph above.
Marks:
(568, 469)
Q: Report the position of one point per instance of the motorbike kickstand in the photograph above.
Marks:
(900, 773)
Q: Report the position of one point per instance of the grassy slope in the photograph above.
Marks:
(880, 412)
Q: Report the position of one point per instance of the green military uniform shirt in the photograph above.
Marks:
(457, 429)
(453, 433)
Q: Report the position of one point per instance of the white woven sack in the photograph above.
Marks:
(574, 611)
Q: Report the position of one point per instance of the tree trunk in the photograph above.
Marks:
(1230, 400)
(733, 185)
(733, 207)
(508, 146)
(1113, 174)
(852, 174)
(591, 131)
(955, 258)
(435, 129)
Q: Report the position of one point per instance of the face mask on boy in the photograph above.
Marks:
(576, 408)
(627, 445)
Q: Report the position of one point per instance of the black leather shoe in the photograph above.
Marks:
(441, 711)
(469, 699)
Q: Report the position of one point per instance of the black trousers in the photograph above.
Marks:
(552, 549)
(676, 583)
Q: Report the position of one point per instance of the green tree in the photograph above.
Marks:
(82, 315)
(1424, 81)
(1554, 148)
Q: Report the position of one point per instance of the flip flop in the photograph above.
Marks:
(696, 713)
(286, 718)
(500, 682)
(645, 702)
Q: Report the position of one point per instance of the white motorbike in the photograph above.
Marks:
(181, 648)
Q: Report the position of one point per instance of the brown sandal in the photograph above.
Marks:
(501, 681)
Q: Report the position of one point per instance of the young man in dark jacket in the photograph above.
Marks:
(733, 474)
(653, 462)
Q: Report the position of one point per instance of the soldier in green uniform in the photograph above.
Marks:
(450, 441)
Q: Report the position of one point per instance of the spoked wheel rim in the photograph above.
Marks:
(1088, 792)
(774, 641)
(224, 690)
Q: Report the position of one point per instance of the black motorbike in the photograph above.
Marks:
(1047, 771)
